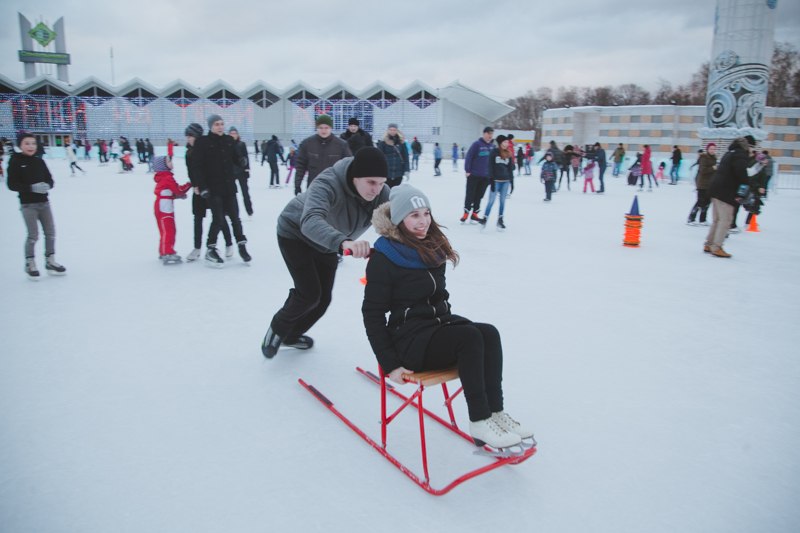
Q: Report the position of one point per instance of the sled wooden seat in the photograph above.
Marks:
(432, 377)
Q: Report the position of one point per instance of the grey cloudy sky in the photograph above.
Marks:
(500, 47)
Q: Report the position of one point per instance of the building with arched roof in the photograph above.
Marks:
(92, 109)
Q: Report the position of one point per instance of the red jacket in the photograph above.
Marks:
(647, 165)
(167, 189)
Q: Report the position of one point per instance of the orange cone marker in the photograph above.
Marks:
(633, 225)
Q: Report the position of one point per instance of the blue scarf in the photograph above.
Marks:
(400, 254)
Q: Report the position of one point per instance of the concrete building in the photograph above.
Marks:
(663, 126)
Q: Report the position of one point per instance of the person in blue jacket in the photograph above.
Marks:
(476, 166)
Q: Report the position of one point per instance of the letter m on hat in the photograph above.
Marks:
(418, 202)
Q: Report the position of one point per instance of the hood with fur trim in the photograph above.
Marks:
(390, 141)
(382, 222)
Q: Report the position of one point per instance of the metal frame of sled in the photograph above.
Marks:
(423, 380)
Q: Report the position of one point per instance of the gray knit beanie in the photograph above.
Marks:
(404, 199)
(212, 119)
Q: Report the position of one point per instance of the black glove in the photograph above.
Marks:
(204, 194)
(491, 185)
(296, 191)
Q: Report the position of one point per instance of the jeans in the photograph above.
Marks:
(436, 163)
(415, 161)
(548, 188)
(478, 352)
(617, 168)
(500, 188)
(527, 166)
(35, 214)
(673, 172)
(313, 274)
(602, 183)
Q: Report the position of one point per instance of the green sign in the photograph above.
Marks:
(27, 56)
(42, 34)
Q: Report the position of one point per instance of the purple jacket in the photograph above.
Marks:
(477, 159)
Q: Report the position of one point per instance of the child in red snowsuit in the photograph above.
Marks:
(167, 189)
(588, 175)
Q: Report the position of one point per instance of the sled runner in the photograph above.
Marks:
(423, 380)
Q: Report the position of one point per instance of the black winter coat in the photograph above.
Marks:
(24, 171)
(241, 171)
(417, 301)
(731, 172)
(214, 157)
(357, 140)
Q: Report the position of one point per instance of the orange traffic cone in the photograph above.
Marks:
(753, 225)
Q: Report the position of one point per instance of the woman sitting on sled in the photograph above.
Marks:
(406, 278)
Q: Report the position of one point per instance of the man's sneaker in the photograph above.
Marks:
(52, 267)
(229, 251)
(720, 253)
(213, 258)
(194, 255)
(301, 342)
(500, 224)
(270, 344)
(464, 216)
(505, 421)
(243, 252)
(31, 270)
(489, 432)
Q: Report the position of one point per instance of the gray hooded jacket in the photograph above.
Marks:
(329, 212)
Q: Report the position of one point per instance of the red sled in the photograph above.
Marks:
(422, 379)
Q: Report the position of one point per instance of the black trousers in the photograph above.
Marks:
(274, 175)
(476, 188)
(313, 274)
(222, 206)
(701, 205)
(248, 204)
(477, 351)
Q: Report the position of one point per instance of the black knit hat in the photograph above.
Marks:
(369, 162)
(500, 139)
(353, 122)
(194, 130)
(750, 140)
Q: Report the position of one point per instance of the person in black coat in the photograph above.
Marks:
(356, 137)
(241, 172)
(272, 151)
(193, 132)
(406, 279)
(29, 176)
(215, 157)
(732, 172)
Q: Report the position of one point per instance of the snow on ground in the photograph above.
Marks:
(664, 384)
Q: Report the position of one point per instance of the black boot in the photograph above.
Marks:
(301, 342)
(243, 252)
(272, 342)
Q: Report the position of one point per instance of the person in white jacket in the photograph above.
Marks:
(72, 158)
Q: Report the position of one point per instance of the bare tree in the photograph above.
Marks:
(631, 94)
(785, 61)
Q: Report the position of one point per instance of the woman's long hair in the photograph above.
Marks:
(434, 249)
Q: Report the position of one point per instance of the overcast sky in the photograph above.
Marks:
(501, 48)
